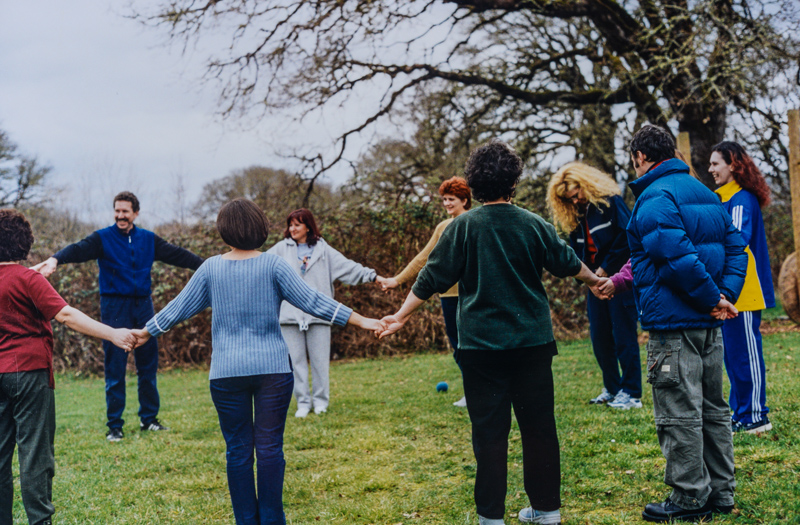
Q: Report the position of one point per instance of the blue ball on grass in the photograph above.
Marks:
(441, 386)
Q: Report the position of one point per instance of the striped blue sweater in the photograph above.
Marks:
(245, 297)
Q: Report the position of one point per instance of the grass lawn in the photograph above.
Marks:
(393, 451)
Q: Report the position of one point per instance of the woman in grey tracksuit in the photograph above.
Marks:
(308, 337)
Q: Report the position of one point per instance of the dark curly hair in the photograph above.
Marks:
(16, 236)
(744, 170)
(655, 143)
(458, 187)
(493, 171)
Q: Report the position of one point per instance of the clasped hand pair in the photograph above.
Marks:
(129, 339)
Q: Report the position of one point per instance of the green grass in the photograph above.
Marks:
(391, 450)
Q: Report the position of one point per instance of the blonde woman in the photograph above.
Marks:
(586, 202)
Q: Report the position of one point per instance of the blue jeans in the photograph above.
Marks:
(245, 429)
(129, 312)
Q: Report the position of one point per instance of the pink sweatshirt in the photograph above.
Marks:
(623, 279)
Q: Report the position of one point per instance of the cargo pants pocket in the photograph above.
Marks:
(663, 361)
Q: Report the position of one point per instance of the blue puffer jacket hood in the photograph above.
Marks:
(685, 251)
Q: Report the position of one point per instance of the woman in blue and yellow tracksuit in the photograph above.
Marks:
(586, 202)
(744, 192)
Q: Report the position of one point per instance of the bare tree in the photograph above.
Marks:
(277, 192)
(545, 65)
(21, 177)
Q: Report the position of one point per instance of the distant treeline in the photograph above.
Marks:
(384, 235)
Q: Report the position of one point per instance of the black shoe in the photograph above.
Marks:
(721, 509)
(153, 425)
(115, 434)
(669, 511)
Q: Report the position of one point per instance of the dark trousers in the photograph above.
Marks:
(450, 311)
(27, 421)
(252, 414)
(130, 312)
(494, 382)
(612, 326)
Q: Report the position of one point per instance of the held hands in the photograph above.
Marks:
(141, 336)
(124, 338)
(391, 324)
(605, 289)
(724, 309)
(387, 283)
(47, 268)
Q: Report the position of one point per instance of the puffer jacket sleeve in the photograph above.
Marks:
(675, 258)
(347, 271)
(735, 264)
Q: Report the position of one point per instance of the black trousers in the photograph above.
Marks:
(494, 382)
(27, 422)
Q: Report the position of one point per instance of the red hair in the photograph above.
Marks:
(305, 217)
(458, 187)
(744, 170)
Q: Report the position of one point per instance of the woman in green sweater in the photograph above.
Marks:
(497, 254)
(456, 199)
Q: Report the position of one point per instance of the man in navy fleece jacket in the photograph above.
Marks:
(125, 255)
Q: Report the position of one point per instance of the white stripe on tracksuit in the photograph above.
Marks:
(750, 337)
(755, 369)
(736, 213)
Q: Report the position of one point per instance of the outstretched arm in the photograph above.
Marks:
(393, 323)
(87, 249)
(46, 267)
(80, 322)
(175, 255)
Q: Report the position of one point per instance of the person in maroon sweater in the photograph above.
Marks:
(27, 401)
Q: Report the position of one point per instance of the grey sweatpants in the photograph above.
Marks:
(27, 421)
(693, 421)
(311, 346)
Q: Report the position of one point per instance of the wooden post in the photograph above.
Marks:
(685, 147)
(794, 175)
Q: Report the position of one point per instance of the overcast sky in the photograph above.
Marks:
(101, 100)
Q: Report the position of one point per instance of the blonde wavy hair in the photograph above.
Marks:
(597, 187)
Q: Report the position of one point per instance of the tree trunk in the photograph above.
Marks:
(706, 126)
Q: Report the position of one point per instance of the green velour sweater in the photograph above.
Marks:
(496, 254)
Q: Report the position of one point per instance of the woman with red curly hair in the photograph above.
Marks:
(744, 192)
(456, 199)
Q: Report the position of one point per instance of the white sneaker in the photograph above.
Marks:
(624, 401)
(301, 412)
(487, 521)
(461, 402)
(531, 515)
(320, 410)
(604, 397)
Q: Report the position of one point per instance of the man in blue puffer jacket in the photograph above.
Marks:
(689, 266)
